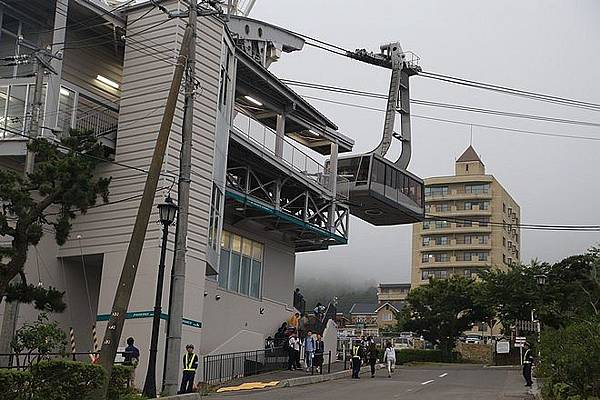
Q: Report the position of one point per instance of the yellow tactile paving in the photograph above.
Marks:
(248, 386)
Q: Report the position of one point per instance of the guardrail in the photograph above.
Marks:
(220, 368)
(264, 137)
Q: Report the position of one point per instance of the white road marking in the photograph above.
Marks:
(443, 375)
(426, 382)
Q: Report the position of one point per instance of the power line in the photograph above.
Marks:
(427, 103)
(464, 123)
(512, 91)
(553, 227)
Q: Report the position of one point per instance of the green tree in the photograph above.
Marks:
(61, 185)
(443, 309)
(571, 292)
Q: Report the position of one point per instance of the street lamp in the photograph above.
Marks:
(166, 212)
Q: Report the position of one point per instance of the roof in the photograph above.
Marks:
(469, 155)
(394, 285)
(396, 305)
(364, 308)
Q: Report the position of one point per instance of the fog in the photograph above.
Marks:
(546, 46)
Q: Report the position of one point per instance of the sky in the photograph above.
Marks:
(544, 46)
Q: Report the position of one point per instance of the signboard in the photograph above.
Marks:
(503, 347)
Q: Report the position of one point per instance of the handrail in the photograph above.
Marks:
(292, 155)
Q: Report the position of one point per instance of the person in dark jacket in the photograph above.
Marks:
(319, 350)
(371, 354)
(190, 365)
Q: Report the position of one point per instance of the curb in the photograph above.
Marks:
(310, 379)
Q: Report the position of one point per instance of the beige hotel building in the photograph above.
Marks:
(477, 226)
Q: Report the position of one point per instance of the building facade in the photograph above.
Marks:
(472, 224)
(392, 292)
(261, 191)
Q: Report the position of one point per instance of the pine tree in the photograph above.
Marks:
(61, 186)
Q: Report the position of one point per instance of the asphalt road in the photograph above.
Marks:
(439, 382)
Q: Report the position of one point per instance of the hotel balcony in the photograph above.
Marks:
(460, 194)
(456, 245)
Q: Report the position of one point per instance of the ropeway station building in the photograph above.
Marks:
(265, 183)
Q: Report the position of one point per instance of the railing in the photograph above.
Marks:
(220, 368)
(264, 137)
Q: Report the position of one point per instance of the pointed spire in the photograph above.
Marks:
(469, 155)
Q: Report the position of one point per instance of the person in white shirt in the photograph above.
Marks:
(294, 355)
(390, 358)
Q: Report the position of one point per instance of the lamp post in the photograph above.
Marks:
(167, 212)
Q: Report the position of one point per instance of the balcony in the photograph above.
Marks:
(75, 110)
(294, 159)
(460, 194)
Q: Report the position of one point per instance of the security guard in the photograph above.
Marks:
(190, 365)
(527, 364)
(357, 355)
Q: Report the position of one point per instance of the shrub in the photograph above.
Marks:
(118, 388)
(61, 379)
(418, 355)
(570, 361)
(16, 385)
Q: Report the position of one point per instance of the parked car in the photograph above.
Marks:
(475, 339)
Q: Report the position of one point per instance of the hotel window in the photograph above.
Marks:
(504, 241)
(442, 207)
(436, 191)
(441, 240)
(442, 224)
(426, 224)
(425, 257)
(464, 224)
(426, 241)
(477, 188)
(503, 207)
(504, 258)
(241, 265)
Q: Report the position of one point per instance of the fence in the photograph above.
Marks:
(220, 368)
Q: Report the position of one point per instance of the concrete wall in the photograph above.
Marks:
(237, 322)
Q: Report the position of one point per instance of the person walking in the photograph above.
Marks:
(389, 357)
(309, 350)
(294, 352)
(319, 352)
(131, 357)
(527, 364)
(372, 354)
(357, 355)
(190, 365)
(294, 321)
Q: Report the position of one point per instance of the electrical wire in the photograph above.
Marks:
(427, 103)
(464, 123)
(553, 227)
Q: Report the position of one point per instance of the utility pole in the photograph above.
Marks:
(114, 327)
(176, 296)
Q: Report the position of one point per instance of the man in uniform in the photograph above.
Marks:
(527, 364)
(357, 355)
(190, 365)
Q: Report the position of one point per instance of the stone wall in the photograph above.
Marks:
(475, 353)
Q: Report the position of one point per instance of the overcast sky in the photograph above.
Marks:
(546, 46)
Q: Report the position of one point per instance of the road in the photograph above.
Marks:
(430, 382)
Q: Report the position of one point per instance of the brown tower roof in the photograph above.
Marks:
(469, 155)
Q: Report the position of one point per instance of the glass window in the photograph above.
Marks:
(15, 114)
(477, 188)
(425, 275)
(442, 224)
(66, 109)
(426, 241)
(425, 257)
(436, 191)
(224, 268)
(363, 171)
(234, 272)
(245, 275)
(255, 279)
(426, 224)
(442, 207)
(240, 265)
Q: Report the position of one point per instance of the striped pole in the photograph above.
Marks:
(72, 337)
(94, 356)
